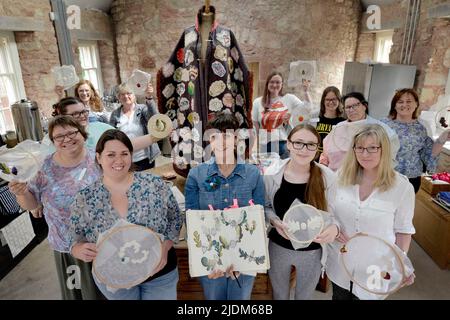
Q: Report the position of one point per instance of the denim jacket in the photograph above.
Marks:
(205, 186)
(144, 112)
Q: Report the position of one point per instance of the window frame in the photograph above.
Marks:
(94, 44)
(15, 76)
(380, 39)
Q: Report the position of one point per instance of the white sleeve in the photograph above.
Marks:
(403, 219)
(257, 104)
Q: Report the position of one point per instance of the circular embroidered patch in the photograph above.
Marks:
(188, 57)
(220, 53)
(172, 114)
(218, 69)
(184, 104)
(195, 135)
(193, 118)
(239, 100)
(216, 88)
(186, 134)
(180, 55)
(191, 88)
(230, 65)
(228, 100)
(239, 75)
(171, 103)
(168, 69)
(193, 73)
(181, 88)
(168, 91)
(181, 118)
(224, 37)
(189, 38)
(215, 105)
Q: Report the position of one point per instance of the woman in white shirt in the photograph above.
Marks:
(132, 118)
(271, 115)
(372, 198)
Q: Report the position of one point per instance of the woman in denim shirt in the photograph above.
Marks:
(218, 182)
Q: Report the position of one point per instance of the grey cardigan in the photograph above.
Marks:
(144, 112)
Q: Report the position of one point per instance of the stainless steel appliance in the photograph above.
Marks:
(27, 120)
(378, 82)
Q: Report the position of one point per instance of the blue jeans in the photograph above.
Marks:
(224, 288)
(161, 288)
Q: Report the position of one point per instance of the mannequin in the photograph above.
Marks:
(205, 25)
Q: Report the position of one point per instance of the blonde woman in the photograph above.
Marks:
(372, 198)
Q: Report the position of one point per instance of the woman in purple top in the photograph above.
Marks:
(70, 169)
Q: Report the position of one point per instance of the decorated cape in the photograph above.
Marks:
(191, 96)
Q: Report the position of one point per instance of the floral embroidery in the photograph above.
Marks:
(239, 100)
(168, 91)
(215, 105)
(220, 53)
(218, 69)
(224, 38)
(171, 103)
(228, 100)
(172, 114)
(181, 88)
(230, 65)
(180, 55)
(184, 104)
(193, 73)
(216, 88)
(181, 118)
(195, 135)
(168, 69)
(188, 57)
(185, 133)
(193, 118)
(189, 38)
(191, 88)
(212, 183)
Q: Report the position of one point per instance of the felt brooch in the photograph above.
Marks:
(212, 183)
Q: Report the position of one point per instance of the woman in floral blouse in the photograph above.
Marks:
(218, 182)
(139, 198)
(416, 148)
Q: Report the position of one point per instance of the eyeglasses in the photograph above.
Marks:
(78, 114)
(368, 149)
(298, 145)
(62, 137)
(352, 107)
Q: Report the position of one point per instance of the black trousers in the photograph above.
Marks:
(342, 294)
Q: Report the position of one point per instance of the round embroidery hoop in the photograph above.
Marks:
(127, 256)
(305, 223)
(159, 126)
(374, 264)
(445, 114)
(342, 135)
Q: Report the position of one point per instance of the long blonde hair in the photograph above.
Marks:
(351, 171)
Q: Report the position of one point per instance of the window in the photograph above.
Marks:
(90, 63)
(11, 83)
(383, 44)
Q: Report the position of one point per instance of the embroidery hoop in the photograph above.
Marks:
(102, 253)
(342, 135)
(159, 126)
(442, 113)
(404, 265)
(301, 213)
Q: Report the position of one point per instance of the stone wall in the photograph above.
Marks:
(38, 51)
(271, 33)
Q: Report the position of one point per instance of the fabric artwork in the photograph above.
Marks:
(191, 93)
(220, 238)
(19, 233)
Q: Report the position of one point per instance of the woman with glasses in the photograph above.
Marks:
(356, 109)
(85, 91)
(297, 178)
(132, 118)
(137, 197)
(371, 198)
(271, 114)
(416, 148)
(217, 183)
(68, 170)
(330, 113)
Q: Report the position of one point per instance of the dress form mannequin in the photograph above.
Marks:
(205, 26)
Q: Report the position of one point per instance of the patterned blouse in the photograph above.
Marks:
(55, 187)
(150, 204)
(415, 148)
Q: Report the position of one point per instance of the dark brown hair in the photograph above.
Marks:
(397, 96)
(266, 96)
(60, 108)
(110, 135)
(95, 102)
(315, 188)
(336, 91)
(223, 121)
(65, 121)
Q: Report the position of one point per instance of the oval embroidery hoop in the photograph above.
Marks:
(344, 251)
(317, 214)
(343, 135)
(118, 252)
(159, 126)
